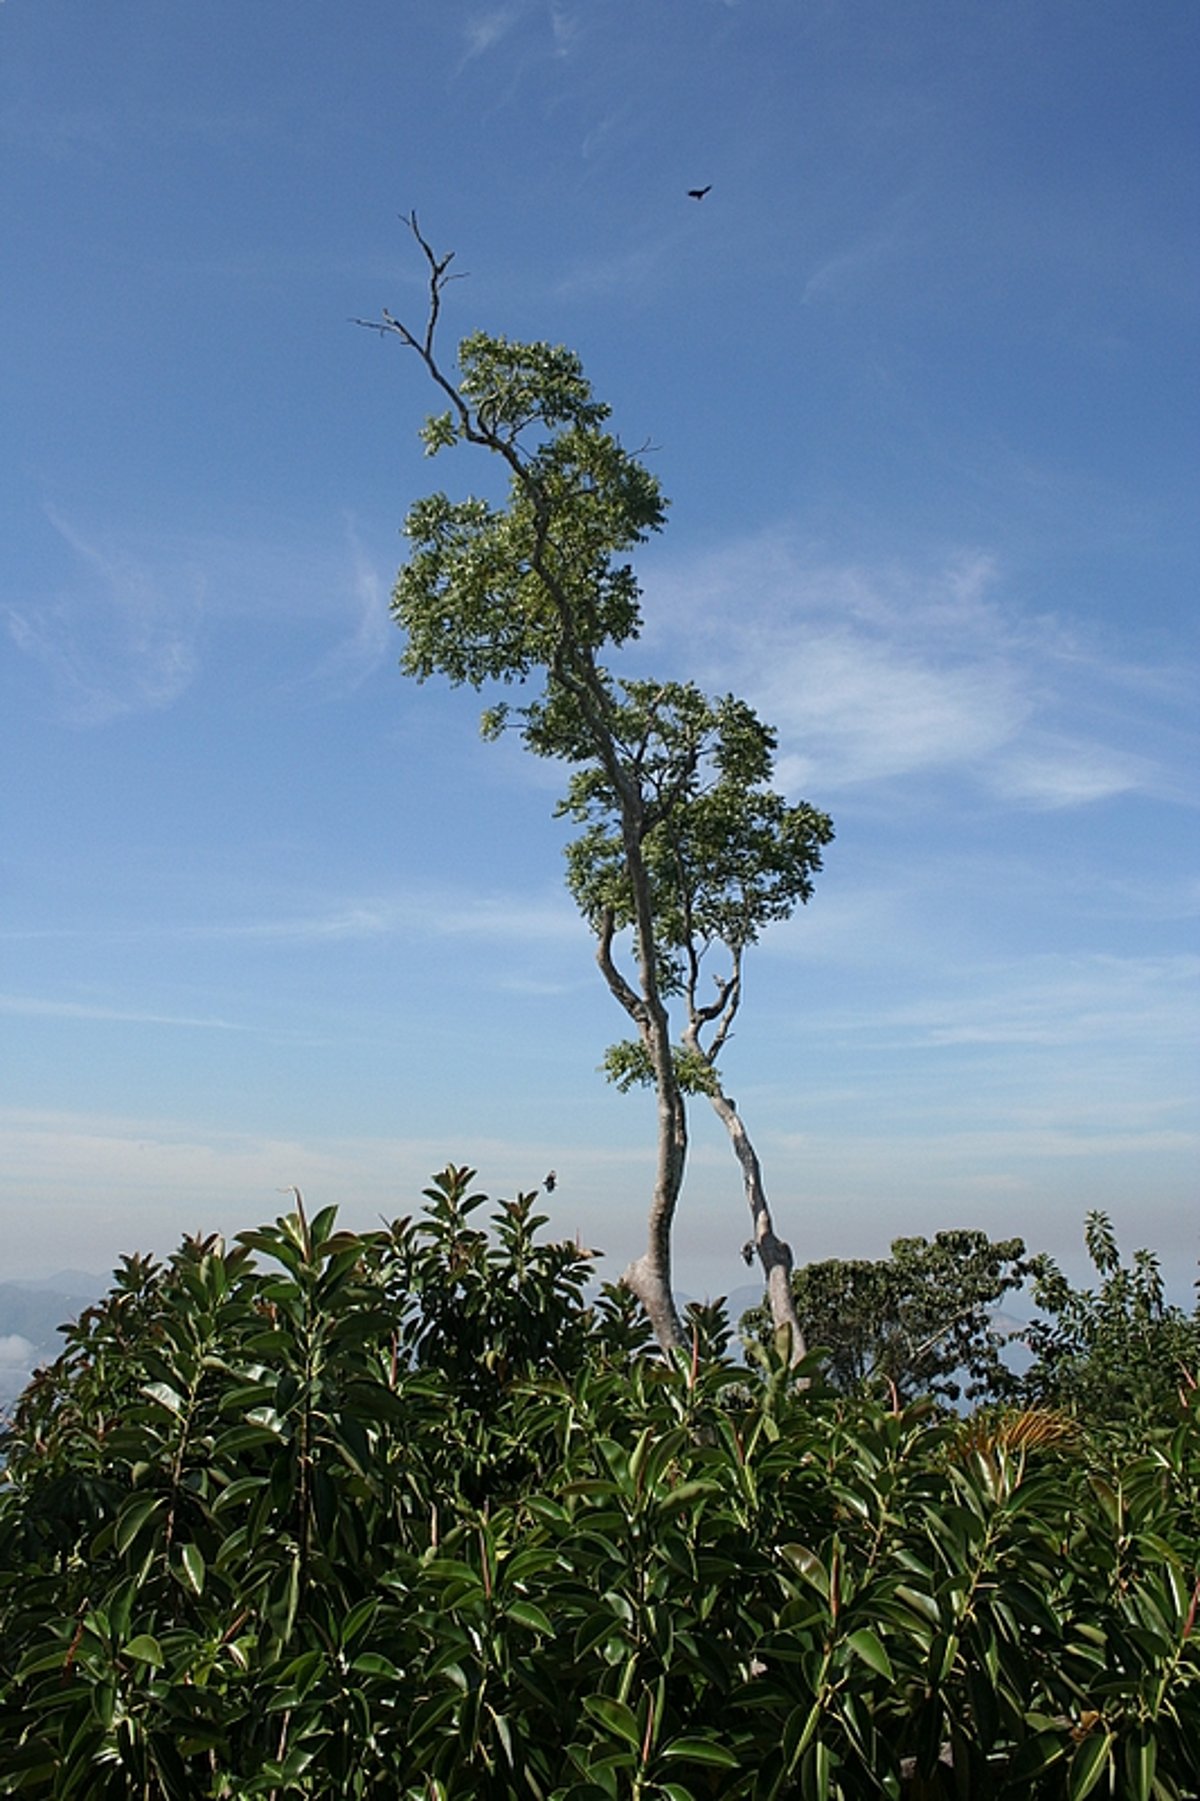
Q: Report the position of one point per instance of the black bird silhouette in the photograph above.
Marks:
(698, 193)
(550, 1182)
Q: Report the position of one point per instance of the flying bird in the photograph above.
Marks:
(550, 1182)
(699, 193)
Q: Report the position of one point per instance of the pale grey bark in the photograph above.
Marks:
(649, 1276)
(773, 1253)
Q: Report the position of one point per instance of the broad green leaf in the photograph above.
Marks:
(1089, 1764)
(39, 1659)
(595, 1630)
(615, 1717)
(814, 1780)
(192, 1559)
(1038, 1753)
(807, 1564)
(925, 1605)
(688, 1494)
(527, 1614)
(165, 1395)
(504, 1734)
(146, 1649)
(133, 1516)
(373, 1663)
(701, 1750)
(868, 1645)
(1141, 1756)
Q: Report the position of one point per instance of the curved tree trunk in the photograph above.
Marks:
(773, 1254)
(649, 1276)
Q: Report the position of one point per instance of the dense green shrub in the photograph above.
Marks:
(407, 1515)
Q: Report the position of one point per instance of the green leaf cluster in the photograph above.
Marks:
(492, 593)
(725, 853)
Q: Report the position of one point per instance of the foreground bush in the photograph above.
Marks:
(403, 1515)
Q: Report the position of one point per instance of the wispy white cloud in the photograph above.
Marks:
(873, 673)
(357, 655)
(26, 1006)
(615, 125)
(859, 262)
(490, 26)
(484, 30)
(1112, 1007)
(1095, 1000)
(1051, 772)
(566, 25)
(494, 918)
(619, 271)
(123, 641)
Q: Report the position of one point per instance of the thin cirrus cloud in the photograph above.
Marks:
(26, 1006)
(1050, 772)
(1100, 1001)
(484, 30)
(874, 673)
(492, 918)
(1078, 1000)
(120, 640)
(38, 1007)
(859, 262)
(355, 657)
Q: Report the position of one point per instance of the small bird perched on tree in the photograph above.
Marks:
(698, 193)
(551, 1181)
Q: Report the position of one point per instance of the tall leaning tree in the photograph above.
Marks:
(539, 590)
(725, 855)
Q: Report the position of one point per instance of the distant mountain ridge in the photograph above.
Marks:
(32, 1314)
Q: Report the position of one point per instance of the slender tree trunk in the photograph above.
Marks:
(774, 1254)
(649, 1276)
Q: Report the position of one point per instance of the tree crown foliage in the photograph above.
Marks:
(494, 593)
(725, 853)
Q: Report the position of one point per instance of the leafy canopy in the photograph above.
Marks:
(492, 593)
(726, 854)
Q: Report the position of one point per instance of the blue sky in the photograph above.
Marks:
(919, 376)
